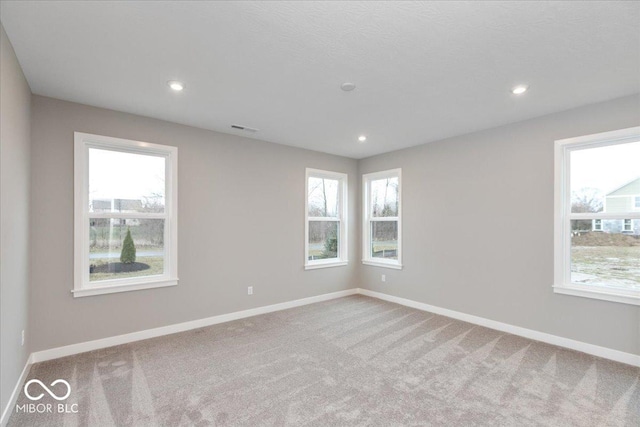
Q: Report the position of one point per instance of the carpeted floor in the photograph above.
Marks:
(351, 361)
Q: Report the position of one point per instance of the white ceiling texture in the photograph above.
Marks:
(423, 70)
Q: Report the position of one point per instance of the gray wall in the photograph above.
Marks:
(500, 178)
(235, 195)
(15, 113)
(478, 227)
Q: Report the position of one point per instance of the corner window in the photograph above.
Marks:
(125, 215)
(597, 242)
(325, 219)
(382, 222)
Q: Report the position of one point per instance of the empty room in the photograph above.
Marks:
(320, 213)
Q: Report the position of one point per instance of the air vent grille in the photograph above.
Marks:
(244, 128)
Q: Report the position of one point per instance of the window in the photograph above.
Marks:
(597, 225)
(637, 202)
(595, 178)
(382, 228)
(326, 219)
(125, 215)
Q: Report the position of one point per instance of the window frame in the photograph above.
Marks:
(636, 202)
(563, 216)
(82, 286)
(624, 224)
(597, 225)
(342, 219)
(367, 219)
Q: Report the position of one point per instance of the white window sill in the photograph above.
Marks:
(382, 264)
(325, 265)
(110, 289)
(601, 293)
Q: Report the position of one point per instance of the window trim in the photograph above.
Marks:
(624, 224)
(82, 287)
(562, 216)
(342, 218)
(597, 226)
(367, 259)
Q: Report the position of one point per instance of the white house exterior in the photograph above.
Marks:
(623, 199)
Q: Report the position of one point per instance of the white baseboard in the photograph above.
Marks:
(595, 350)
(6, 413)
(55, 353)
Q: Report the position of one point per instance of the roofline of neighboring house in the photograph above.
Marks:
(623, 185)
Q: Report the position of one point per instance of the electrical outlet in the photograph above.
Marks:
(383, 278)
(23, 337)
(250, 290)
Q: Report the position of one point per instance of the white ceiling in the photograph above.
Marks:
(424, 70)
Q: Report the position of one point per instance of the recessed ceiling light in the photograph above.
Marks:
(176, 85)
(347, 87)
(519, 90)
(362, 138)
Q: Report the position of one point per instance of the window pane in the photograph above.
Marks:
(323, 239)
(384, 197)
(110, 257)
(607, 258)
(384, 239)
(323, 197)
(605, 179)
(125, 182)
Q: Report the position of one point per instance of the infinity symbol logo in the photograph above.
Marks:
(52, 394)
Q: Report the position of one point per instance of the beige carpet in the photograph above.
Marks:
(351, 361)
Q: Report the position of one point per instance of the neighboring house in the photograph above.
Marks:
(623, 199)
(118, 205)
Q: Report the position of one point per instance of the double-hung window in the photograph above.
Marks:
(325, 219)
(125, 215)
(382, 219)
(597, 178)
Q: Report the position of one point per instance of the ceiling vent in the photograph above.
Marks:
(244, 128)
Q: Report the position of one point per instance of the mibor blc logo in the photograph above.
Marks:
(32, 394)
(47, 389)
